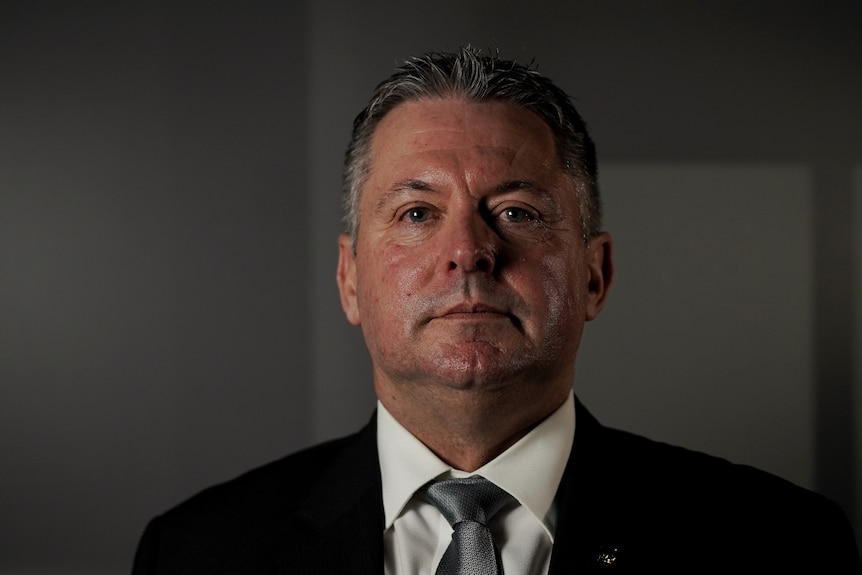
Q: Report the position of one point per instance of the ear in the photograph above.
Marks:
(346, 277)
(600, 273)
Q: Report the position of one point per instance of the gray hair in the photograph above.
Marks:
(470, 75)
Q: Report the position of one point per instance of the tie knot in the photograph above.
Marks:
(472, 498)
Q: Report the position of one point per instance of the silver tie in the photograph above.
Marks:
(468, 505)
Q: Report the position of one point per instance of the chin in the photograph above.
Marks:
(472, 371)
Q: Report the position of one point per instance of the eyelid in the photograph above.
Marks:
(531, 212)
(402, 211)
(402, 194)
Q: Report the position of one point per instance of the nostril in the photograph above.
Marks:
(482, 264)
(473, 258)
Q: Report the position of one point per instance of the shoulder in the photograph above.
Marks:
(635, 460)
(280, 483)
(244, 522)
(669, 468)
(654, 492)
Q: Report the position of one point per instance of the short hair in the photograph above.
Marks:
(476, 77)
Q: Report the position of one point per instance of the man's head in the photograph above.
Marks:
(472, 76)
(470, 269)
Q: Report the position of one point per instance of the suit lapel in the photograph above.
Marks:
(344, 513)
(587, 537)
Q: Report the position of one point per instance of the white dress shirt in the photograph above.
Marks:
(416, 534)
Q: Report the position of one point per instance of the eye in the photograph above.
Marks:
(516, 215)
(417, 215)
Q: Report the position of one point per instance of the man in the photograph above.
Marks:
(473, 257)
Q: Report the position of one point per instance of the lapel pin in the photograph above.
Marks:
(607, 555)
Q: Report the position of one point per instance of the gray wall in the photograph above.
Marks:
(169, 183)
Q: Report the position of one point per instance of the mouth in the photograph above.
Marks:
(475, 311)
(477, 315)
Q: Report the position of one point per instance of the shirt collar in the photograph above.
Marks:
(406, 464)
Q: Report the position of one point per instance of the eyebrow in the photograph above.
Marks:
(399, 188)
(412, 185)
(528, 186)
(525, 185)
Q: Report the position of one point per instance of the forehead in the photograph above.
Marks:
(453, 131)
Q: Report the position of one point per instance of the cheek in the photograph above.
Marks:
(561, 286)
(392, 279)
(402, 273)
(564, 308)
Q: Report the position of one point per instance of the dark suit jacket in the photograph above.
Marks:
(626, 505)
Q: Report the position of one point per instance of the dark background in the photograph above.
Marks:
(169, 203)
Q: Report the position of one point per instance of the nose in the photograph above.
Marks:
(470, 245)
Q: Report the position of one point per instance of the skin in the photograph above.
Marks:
(470, 279)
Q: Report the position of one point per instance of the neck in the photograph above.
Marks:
(467, 428)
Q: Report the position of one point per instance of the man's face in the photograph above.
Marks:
(470, 267)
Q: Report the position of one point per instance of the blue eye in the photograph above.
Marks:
(516, 215)
(417, 215)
